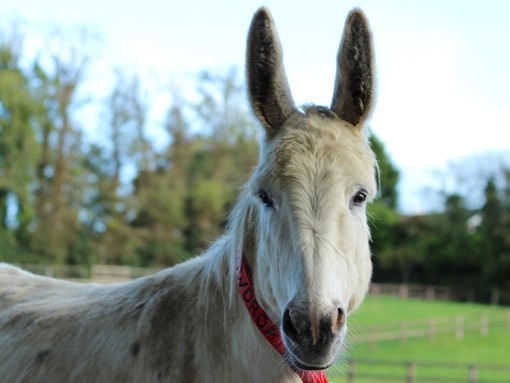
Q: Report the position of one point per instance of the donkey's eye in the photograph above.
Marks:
(266, 200)
(359, 198)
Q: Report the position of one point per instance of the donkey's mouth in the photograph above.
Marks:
(309, 358)
(302, 366)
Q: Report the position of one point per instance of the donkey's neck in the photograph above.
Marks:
(188, 317)
(202, 300)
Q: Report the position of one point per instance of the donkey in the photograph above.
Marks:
(269, 301)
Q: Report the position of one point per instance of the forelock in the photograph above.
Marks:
(317, 138)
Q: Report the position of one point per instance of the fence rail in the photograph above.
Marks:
(457, 326)
(377, 370)
(112, 273)
(94, 273)
(432, 292)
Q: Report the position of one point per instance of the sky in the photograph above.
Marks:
(443, 66)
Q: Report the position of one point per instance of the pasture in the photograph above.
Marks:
(443, 357)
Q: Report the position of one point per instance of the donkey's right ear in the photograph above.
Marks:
(268, 88)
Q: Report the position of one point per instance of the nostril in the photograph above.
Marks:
(288, 326)
(338, 319)
(341, 315)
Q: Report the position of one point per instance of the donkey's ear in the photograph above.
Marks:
(353, 95)
(268, 88)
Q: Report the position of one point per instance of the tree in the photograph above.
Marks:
(104, 216)
(388, 174)
(57, 76)
(493, 238)
(114, 205)
(449, 246)
(383, 216)
(18, 147)
(222, 160)
(162, 194)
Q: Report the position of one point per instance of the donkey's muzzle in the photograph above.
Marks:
(313, 336)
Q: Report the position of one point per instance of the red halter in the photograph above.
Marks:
(265, 325)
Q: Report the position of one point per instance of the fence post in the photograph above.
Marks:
(403, 291)
(411, 372)
(459, 328)
(473, 373)
(375, 290)
(49, 271)
(350, 372)
(495, 295)
(430, 293)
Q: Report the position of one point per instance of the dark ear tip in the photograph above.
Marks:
(356, 17)
(262, 15)
(260, 22)
(357, 13)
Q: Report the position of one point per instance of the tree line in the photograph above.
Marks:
(65, 199)
(126, 199)
(464, 243)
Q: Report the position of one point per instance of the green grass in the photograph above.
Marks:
(383, 309)
(456, 355)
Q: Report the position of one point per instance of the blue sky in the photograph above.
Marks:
(443, 65)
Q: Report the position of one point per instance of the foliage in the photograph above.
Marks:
(382, 213)
(66, 200)
(461, 245)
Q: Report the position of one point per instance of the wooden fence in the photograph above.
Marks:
(96, 273)
(432, 292)
(377, 371)
(112, 273)
(457, 326)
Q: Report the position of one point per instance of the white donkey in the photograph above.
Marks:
(269, 301)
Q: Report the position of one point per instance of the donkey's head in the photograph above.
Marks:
(309, 254)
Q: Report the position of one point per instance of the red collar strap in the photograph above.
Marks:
(265, 325)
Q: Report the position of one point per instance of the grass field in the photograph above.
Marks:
(451, 356)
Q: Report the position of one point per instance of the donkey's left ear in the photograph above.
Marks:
(353, 95)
